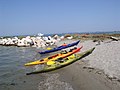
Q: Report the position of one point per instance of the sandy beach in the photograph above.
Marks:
(90, 73)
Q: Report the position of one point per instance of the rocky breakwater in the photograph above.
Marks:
(34, 41)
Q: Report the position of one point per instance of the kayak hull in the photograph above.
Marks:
(61, 65)
(59, 48)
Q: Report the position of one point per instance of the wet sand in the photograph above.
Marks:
(82, 78)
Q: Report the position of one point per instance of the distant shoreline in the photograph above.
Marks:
(60, 34)
(43, 40)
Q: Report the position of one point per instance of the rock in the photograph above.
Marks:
(13, 84)
(114, 38)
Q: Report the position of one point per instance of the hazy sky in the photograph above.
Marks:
(20, 17)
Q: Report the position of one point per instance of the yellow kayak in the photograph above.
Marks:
(50, 62)
(53, 57)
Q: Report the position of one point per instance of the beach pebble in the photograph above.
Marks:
(106, 57)
(52, 82)
(13, 84)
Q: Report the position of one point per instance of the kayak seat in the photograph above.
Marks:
(73, 49)
(50, 57)
(64, 52)
(60, 60)
(41, 60)
(66, 59)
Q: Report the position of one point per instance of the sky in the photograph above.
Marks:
(27, 17)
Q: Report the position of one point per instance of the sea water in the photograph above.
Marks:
(13, 72)
(12, 69)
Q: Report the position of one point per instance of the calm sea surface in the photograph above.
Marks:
(13, 72)
(12, 69)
